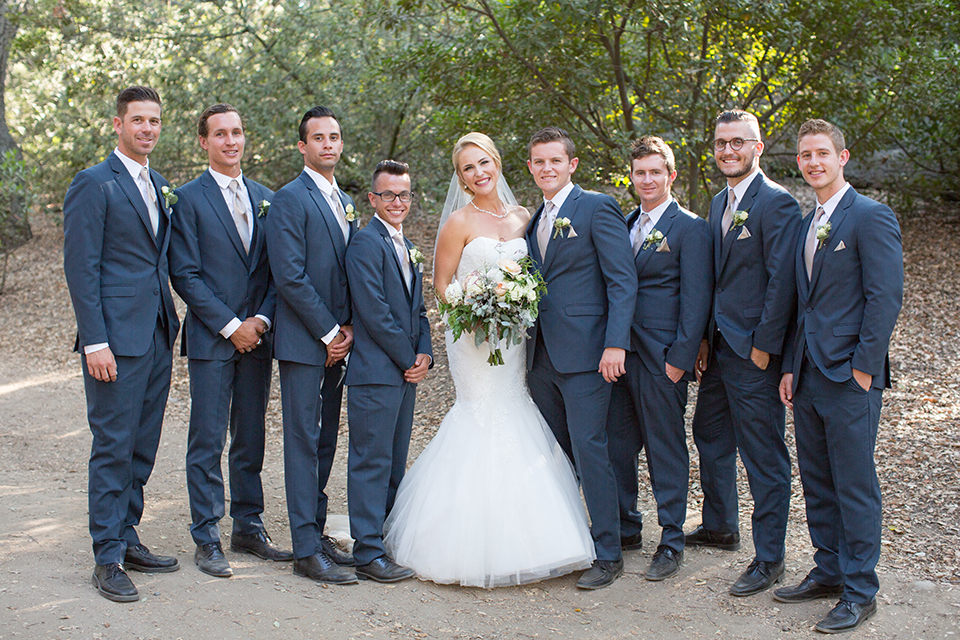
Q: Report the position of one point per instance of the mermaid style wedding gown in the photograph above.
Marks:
(492, 500)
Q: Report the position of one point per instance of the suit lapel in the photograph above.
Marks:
(215, 198)
(744, 205)
(836, 222)
(329, 218)
(803, 282)
(569, 210)
(392, 250)
(259, 235)
(133, 194)
(531, 235)
(664, 224)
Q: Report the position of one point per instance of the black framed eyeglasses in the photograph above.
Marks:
(736, 144)
(390, 196)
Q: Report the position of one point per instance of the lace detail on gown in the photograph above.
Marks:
(492, 500)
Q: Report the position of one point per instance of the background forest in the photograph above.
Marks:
(408, 77)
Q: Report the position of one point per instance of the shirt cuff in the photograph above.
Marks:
(266, 321)
(100, 346)
(232, 326)
(327, 339)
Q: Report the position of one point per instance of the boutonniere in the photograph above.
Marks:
(654, 239)
(823, 233)
(560, 224)
(350, 213)
(169, 197)
(739, 218)
(264, 208)
(416, 258)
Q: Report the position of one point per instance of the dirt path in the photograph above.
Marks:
(46, 562)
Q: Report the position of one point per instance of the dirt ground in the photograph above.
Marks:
(46, 560)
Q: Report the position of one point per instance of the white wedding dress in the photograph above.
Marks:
(492, 500)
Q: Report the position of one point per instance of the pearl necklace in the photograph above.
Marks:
(495, 215)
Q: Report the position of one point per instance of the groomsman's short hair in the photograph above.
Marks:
(553, 134)
(816, 126)
(739, 115)
(135, 93)
(653, 146)
(482, 141)
(392, 167)
(317, 112)
(216, 109)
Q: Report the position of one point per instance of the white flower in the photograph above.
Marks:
(169, 197)
(823, 233)
(473, 285)
(350, 213)
(559, 225)
(509, 266)
(264, 208)
(454, 293)
(739, 218)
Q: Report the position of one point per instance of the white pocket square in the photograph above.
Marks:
(840, 247)
(572, 233)
(664, 247)
(744, 234)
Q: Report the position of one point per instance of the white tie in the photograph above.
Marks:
(240, 217)
(728, 212)
(545, 227)
(150, 198)
(810, 249)
(640, 235)
(404, 257)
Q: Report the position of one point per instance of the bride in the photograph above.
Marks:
(492, 500)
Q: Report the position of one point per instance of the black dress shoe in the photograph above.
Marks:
(260, 545)
(321, 568)
(113, 583)
(808, 589)
(139, 558)
(701, 537)
(666, 563)
(383, 569)
(602, 574)
(210, 559)
(629, 543)
(846, 616)
(338, 555)
(758, 577)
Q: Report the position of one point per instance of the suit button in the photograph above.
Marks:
(809, 309)
(340, 306)
(343, 282)
(156, 292)
(719, 290)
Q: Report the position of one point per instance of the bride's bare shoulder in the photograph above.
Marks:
(520, 212)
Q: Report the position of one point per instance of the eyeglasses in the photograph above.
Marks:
(390, 196)
(736, 144)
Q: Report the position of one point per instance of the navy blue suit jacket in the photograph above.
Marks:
(308, 261)
(674, 291)
(847, 310)
(755, 290)
(390, 325)
(591, 283)
(213, 273)
(116, 267)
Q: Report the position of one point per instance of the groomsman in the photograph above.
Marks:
(674, 264)
(754, 223)
(391, 354)
(218, 265)
(577, 349)
(849, 272)
(116, 228)
(308, 228)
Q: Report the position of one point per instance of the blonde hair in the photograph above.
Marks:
(481, 141)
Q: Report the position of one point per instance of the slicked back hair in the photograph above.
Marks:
(817, 126)
(221, 107)
(553, 134)
(390, 167)
(653, 146)
(317, 112)
(739, 115)
(135, 93)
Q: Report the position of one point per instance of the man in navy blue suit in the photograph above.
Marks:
(578, 240)
(218, 265)
(308, 228)
(849, 270)
(116, 228)
(674, 266)
(754, 224)
(391, 355)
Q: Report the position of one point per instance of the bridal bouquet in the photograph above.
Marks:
(497, 304)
